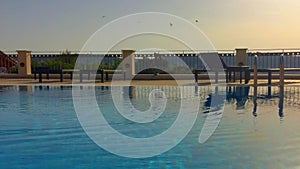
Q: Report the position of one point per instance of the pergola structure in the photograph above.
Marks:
(7, 62)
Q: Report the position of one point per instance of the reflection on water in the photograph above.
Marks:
(39, 128)
(269, 96)
(254, 112)
(240, 94)
(235, 95)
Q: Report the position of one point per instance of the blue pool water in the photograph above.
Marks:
(39, 129)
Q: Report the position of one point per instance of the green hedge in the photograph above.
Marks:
(66, 62)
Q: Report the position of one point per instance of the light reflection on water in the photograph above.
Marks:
(39, 129)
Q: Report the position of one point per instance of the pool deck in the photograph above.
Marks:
(67, 82)
(144, 79)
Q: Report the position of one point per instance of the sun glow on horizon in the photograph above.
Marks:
(255, 24)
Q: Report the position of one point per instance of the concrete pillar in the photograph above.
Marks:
(24, 62)
(128, 63)
(241, 56)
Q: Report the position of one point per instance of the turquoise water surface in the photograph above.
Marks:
(40, 129)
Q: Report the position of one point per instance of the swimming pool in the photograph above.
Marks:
(40, 129)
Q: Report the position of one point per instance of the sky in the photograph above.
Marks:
(57, 25)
